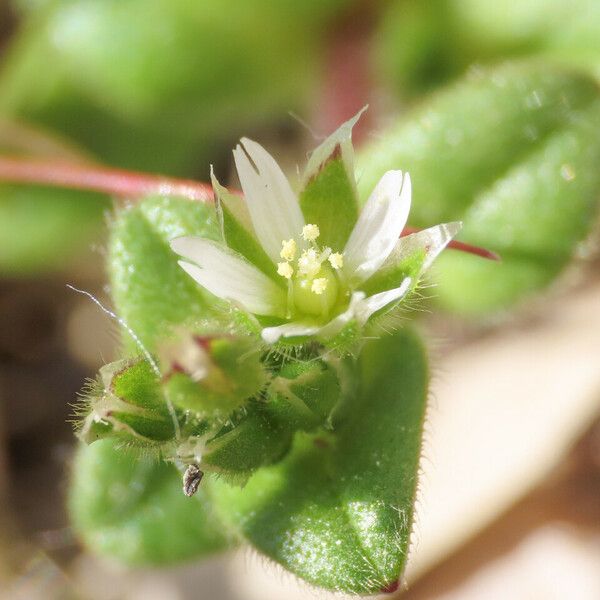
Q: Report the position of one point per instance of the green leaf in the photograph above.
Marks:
(328, 197)
(131, 508)
(253, 438)
(150, 290)
(338, 510)
(146, 62)
(304, 394)
(522, 177)
(43, 228)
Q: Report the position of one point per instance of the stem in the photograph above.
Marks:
(462, 246)
(116, 182)
(131, 184)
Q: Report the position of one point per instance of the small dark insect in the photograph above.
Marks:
(191, 480)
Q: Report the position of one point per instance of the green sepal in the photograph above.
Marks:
(304, 394)
(130, 508)
(328, 197)
(521, 176)
(338, 510)
(127, 404)
(411, 256)
(151, 292)
(254, 437)
(237, 230)
(230, 372)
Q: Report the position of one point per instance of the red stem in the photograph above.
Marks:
(462, 246)
(130, 184)
(115, 182)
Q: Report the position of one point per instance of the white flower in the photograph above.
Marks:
(317, 290)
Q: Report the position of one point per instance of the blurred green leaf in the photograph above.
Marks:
(131, 508)
(45, 228)
(150, 290)
(513, 153)
(420, 45)
(337, 511)
(169, 68)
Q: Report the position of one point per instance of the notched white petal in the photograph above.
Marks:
(229, 276)
(379, 225)
(271, 202)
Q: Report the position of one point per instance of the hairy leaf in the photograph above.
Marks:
(131, 508)
(150, 290)
(337, 511)
(513, 154)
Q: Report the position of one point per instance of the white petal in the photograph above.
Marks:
(433, 239)
(294, 329)
(372, 304)
(227, 275)
(273, 206)
(380, 223)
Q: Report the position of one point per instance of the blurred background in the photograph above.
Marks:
(509, 502)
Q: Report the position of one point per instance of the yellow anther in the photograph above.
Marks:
(285, 270)
(310, 232)
(336, 260)
(288, 250)
(319, 285)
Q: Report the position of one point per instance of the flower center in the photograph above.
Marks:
(313, 285)
(316, 295)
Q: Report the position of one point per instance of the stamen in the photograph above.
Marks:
(336, 260)
(319, 285)
(285, 270)
(309, 263)
(310, 232)
(288, 250)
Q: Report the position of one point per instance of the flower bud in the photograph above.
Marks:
(210, 375)
(127, 403)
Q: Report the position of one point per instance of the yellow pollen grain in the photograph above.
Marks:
(336, 260)
(285, 270)
(310, 232)
(319, 285)
(288, 249)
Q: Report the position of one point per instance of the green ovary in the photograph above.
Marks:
(307, 301)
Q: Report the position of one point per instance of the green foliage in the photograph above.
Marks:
(513, 154)
(128, 77)
(337, 511)
(303, 395)
(130, 508)
(420, 45)
(43, 228)
(253, 438)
